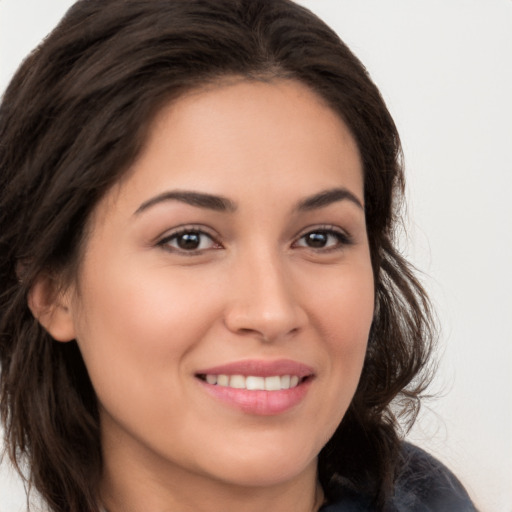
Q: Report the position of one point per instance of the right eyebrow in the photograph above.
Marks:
(327, 197)
(198, 199)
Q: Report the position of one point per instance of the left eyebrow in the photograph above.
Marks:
(326, 198)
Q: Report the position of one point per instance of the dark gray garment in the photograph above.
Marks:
(423, 485)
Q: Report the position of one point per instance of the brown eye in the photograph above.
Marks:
(316, 240)
(323, 239)
(188, 241)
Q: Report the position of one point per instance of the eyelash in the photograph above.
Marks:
(343, 239)
(188, 230)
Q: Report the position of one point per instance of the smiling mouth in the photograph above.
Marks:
(258, 387)
(254, 383)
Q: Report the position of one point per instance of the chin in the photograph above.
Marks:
(266, 468)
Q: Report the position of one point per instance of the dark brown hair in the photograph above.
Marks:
(72, 120)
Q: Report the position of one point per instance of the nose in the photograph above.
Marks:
(264, 300)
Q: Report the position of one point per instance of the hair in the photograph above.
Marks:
(73, 119)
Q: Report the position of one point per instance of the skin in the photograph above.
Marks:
(148, 314)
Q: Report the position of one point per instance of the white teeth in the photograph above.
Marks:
(254, 383)
(285, 382)
(237, 381)
(272, 383)
(222, 380)
(211, 379)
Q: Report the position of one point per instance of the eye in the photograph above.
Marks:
(323, 238)
(189, 240)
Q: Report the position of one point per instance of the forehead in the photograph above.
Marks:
(236, 134)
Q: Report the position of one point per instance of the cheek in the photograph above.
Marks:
(128, 329)
(346, 307)
(146, 301)
(344, 314)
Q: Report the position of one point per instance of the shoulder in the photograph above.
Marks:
(423, 484)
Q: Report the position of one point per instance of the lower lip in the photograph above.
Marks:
(262, 403)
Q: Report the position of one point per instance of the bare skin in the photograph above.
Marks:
(237, 240)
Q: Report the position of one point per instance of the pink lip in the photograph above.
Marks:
(262, 403)
(260, 368)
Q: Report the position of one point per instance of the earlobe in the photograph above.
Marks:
(51, 306)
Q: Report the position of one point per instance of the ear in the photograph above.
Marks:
(51, 306)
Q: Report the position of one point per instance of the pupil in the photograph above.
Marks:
(317, 239)
(189, 241)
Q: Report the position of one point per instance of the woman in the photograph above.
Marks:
(202, 303)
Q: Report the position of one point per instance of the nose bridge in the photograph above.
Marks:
(264, 299)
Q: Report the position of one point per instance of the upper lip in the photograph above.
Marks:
(260, 368)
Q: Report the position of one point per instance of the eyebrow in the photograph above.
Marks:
(223, 204)
(199, 199)
(326, 198)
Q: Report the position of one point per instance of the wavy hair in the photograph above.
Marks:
(74, 118)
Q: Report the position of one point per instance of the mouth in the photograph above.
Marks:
(254, 382)
(258, 387)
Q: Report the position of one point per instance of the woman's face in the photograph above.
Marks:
(225, 295)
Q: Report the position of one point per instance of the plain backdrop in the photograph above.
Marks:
(444, 68)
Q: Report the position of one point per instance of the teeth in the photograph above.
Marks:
(222, 380)
(272, 383)
(211, 379)
(237, 381)
(255, 383)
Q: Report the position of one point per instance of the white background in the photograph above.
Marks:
(445, 70)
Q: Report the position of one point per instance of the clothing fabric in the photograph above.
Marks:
(423, 485)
